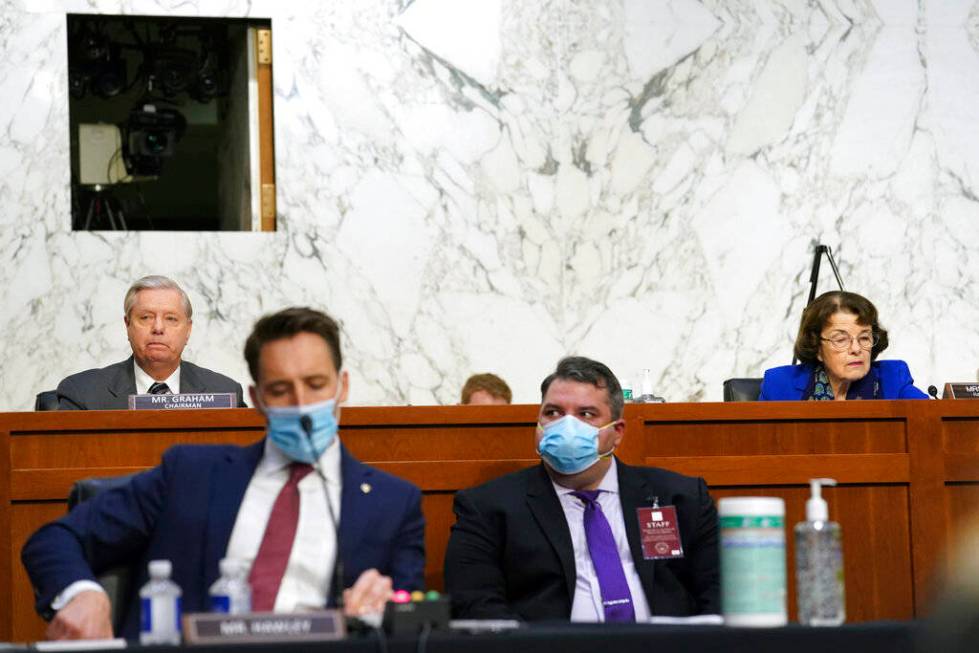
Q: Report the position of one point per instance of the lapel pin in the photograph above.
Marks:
(365, 488)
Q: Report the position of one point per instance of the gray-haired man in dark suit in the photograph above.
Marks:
(158, 323)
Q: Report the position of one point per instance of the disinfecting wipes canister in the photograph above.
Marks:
(753, 561)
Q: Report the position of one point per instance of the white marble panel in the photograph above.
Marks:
(489, 185)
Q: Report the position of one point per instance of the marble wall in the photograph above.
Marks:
(475, 185)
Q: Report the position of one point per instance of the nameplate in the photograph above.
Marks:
(263, 627)
(185, 400)
(961, 391)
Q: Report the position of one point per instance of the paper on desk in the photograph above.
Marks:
(80, 644)
(696, 620)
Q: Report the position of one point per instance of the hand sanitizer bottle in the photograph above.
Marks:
(819, 582)
(647, 396)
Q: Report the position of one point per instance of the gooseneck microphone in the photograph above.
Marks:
(933, 391)
(307, 423)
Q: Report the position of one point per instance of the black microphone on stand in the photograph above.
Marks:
(307, 423)
(933, 391)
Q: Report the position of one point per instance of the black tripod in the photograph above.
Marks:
(814, 275)
(101, 210)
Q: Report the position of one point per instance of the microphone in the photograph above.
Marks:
(933, 391)
(307, 423)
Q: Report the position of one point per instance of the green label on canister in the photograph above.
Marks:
(738, 521)
(752, 564)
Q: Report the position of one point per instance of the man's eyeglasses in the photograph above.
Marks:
(841, 341)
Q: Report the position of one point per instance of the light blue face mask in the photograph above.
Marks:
(285, 429)
(570, 445)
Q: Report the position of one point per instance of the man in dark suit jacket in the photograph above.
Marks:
(108, 388)
(158, 317)
(521, 547)
(204, 503)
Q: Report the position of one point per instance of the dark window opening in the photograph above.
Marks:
(169, 128)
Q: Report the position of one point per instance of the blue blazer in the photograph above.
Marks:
(184, 511)
(789, 382)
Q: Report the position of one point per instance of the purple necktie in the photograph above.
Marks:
(616, 598)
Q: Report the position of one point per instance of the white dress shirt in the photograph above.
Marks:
(144, 380)
(587, 602)
(307, 580)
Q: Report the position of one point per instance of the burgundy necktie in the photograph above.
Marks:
(273, 554)
(616, 598)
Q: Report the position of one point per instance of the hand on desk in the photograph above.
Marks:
(87, 616)
(368, 594)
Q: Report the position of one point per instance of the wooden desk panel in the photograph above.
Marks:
(25, 518)
(775, 428)
(889, 456)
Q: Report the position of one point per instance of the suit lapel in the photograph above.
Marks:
(802, 383)
(122, 382)
(546, 508)
(229, 480)
(189, 383)
(634, 493)
(355, 506)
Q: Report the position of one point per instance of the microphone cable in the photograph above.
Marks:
(307, 423)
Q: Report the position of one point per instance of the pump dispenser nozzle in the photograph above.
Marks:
(816, 507)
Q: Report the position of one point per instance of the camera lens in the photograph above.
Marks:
(157, 142)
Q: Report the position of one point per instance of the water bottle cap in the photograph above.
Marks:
(229, 566)
(160, 568)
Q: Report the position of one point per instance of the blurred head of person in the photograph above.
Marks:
(294, 358)
(485, 389)
(158, 318)
(952, 625)
(841, 333)
(299, 384)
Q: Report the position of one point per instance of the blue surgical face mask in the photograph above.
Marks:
(570, 445)
(285, 428)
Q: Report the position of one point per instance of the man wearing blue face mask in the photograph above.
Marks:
(271, 506)
(583, 536)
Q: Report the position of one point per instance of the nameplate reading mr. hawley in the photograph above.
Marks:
(185, 400)
(211, 628)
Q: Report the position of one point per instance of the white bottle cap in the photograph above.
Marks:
(229, 566)
(160, 569)
(816, 507)
(751, 507)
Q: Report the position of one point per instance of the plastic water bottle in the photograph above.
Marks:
(820, 592)
(159, 601)
(231, 593)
